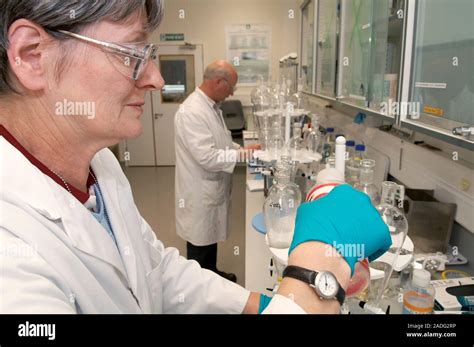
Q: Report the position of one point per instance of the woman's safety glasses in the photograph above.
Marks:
(131, 60)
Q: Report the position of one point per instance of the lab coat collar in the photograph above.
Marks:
(215, 107)
(25, 184)
(211, 102)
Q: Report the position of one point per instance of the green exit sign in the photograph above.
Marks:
(171, 37)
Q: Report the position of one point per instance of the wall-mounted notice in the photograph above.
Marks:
(248, 49)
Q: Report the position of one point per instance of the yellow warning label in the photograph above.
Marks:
(434, 111)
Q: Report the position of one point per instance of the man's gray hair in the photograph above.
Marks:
(214, 70)
(70, 15)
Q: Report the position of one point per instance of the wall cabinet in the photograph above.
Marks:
(409, 60)
(441, 80)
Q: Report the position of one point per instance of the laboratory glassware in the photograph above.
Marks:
(366, 180)
(280, 206)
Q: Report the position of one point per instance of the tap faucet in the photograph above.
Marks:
(463, 131)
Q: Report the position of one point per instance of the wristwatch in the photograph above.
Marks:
(324, 283)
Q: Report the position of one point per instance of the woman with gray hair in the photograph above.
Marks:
(73, 80)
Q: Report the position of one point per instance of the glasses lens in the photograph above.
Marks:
(129, 66)
(124, 64)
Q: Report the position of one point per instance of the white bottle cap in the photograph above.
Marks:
(421, 278)
(341, 140)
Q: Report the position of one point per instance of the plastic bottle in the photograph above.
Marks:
(340, 155)
(418, 296)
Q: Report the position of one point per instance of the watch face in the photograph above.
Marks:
(327, 285)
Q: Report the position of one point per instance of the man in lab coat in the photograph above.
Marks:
(205, 160)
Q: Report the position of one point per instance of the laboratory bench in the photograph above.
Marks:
(258, 275)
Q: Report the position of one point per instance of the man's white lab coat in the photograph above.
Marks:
(205, 160)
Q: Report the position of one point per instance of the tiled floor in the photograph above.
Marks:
(153, 190)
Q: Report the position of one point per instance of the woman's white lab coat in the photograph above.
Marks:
(56, 258)
(205, 160)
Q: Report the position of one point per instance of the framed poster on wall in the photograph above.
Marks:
(248, 49)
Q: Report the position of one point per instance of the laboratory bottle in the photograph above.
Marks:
(360, 152)
(350, 149)
(397, 225)
(279, 208)
(329, 143)
(313, 140)
(352, 167)
(365, 181)
(419, 295)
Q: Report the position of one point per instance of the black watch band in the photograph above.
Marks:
(309, 276)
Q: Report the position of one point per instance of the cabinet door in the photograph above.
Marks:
(327, 15)
(371, 52)
(356, 50)
(307, 45)
(442, 83)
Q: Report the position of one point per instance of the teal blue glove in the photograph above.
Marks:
(346, 220)
(264, 301)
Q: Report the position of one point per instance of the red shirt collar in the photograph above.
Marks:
(78, 194)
